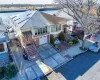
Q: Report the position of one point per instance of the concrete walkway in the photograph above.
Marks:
(72, 51)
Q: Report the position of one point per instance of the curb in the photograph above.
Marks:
(79, 54)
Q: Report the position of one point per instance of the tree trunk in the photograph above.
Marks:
(83, 42)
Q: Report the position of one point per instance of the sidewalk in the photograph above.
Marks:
(73, 51)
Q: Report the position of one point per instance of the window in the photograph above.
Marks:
(59, 27)
(36, 31)
(41, 31)
(56, 28)
(44, 30)
(1, 47)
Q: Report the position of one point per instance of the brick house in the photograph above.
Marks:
(33, 28)
(38, 25)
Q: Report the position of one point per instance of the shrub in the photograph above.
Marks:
(61, 37)
(72, 42)
(2, 71)
(11, 71)
(75, 41)
(52, 39)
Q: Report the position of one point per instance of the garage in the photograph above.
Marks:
(43, 40)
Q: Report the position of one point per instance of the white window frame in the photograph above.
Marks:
(56, 28)
(41, 30)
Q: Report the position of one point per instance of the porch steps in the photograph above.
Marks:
(29, 46)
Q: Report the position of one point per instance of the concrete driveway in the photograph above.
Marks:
(81, 65)
(33, 69)
(46, 50)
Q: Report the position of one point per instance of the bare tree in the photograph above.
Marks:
(83, 11)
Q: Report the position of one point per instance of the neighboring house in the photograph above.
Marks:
(4, 58)
(38, 25)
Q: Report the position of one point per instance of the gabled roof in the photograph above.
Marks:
(20, 19)
(35, 19)
(53, 19)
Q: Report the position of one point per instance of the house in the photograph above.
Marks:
(4, 58)
(33, 28)
(38, 25)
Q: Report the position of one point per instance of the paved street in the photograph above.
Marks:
(81, 65)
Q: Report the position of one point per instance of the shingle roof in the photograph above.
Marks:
(20, 19)
(36, 19)
(53, 19)
(2, 26)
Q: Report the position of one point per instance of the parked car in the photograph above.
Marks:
(95, 47)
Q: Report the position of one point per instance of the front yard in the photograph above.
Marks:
(61, 43)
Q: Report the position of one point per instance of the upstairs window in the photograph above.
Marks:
(41, 31)
(56, 28)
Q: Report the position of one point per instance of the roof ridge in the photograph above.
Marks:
(30, 18)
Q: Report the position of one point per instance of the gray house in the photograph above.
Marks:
(4, 59)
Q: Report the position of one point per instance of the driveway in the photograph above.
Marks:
(46, 50)
(50, 59)
(79, 66)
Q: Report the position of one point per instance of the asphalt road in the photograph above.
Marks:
(79, 65)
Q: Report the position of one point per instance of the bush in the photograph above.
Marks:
(61, 37)
(72, 42)
(11, 71)
(2, 71)
(75, 41)
(52, 39)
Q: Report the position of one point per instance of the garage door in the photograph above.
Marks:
(43, 40)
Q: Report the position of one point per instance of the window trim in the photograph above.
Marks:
(56, 28)
(41, 31)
